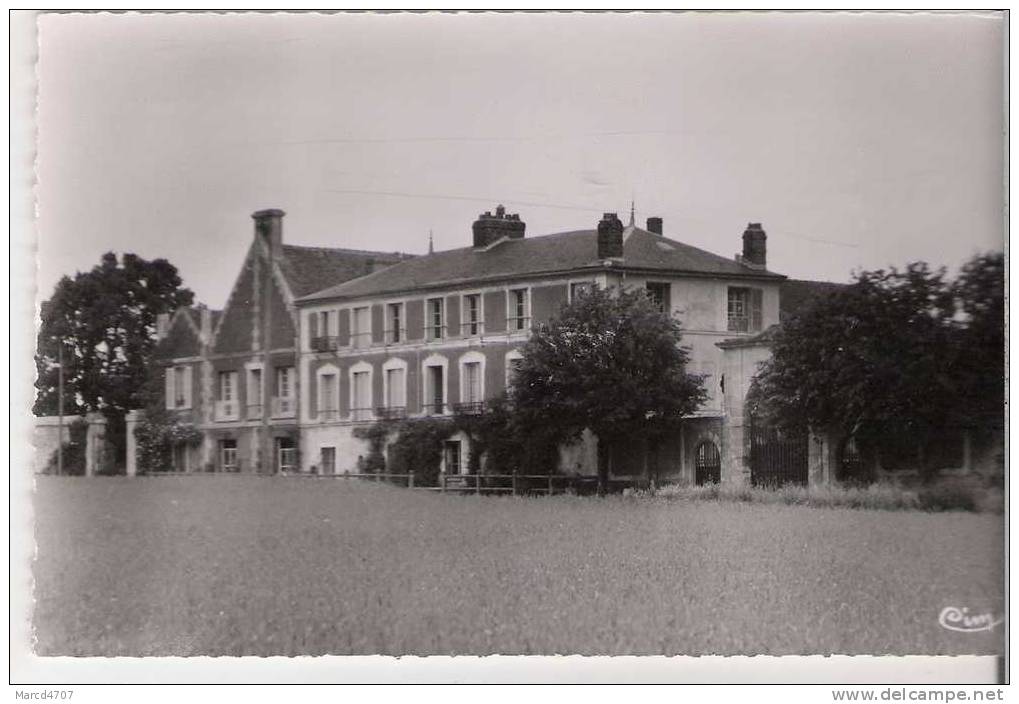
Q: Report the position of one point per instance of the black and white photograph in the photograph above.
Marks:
(519, 334)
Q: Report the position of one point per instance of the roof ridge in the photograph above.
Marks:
(347, 250)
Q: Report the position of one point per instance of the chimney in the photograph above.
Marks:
(754, 246)
(610, 237)
(205, 322)
(162, 325)
(490, 228)
(269, 226)
(654, 225)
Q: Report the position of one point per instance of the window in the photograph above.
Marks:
(435, 391)
(513, 362)
(434, 322)
(328, 397)
(660, 295)
(744, 309)
(283, 401)
(579, 288)
(179, 388)
(327, 323)
(472, 314)
(286, 455)
(451, 452)
(472, 382)
(326, 338)
(228, 455)
(396, 388)
(226, 386)
(328, 461)
(361, 401)
(254, 393)
(394, 322)
(227, 407)
(361, 332)
(518, 315)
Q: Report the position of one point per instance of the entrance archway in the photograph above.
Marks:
(707, 463)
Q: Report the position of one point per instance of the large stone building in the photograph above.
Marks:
(314, 342)
(439, 333)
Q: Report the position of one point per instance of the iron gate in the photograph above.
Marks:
(777, 457)
(707, 464)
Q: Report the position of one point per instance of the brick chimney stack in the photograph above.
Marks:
(490, 228)
(610, 237)
(755, 246)
(269, 227)
(654, 225)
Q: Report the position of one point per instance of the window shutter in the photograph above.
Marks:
(170, 400)
(312, 329)
(187, 387)
(344, 327)
(756, 316)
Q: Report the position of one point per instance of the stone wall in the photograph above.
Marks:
(45, 438)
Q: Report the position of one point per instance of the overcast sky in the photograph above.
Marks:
(858, 140)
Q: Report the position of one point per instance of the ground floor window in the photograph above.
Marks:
(228, 455)
(451, 451)
(328, 462)
(286, 455)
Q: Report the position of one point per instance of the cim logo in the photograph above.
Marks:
(956, 619)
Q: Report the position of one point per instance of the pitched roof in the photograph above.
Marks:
(560, 252)
(309, 269)
(796, 295)
(195, 313)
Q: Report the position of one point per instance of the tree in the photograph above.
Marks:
(883, 358)
(105, 321)
(610, 362)
(980, 292)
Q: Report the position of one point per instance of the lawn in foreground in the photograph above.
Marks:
(228, 565)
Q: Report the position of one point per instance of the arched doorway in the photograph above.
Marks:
(707, 463)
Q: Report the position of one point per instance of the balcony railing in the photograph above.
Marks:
(254, 411)
(471, 408)
(227, 410)
(391, 412)
(739, 323)
(472, 328)
(283, 407)
(327, 414)
(360, 414)
(518, 323)
(434, 409)
(325, 343)
(396, 336)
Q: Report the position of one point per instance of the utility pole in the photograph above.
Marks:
(60, 409)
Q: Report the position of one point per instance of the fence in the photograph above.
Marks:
(514, 484)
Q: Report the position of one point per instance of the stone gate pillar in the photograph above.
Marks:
(95, 443)
(132, 419)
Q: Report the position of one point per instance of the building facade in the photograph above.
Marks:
(439, 334)
(232, 373)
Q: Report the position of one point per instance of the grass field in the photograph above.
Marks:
(228, 565)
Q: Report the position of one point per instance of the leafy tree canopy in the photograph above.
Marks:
(896, 351)
(106, 321)
(611, 362)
